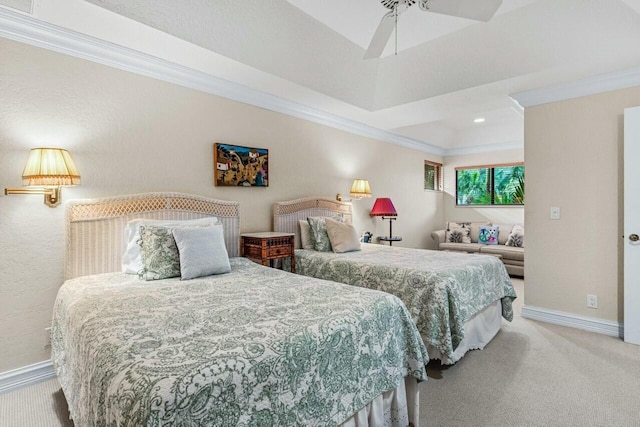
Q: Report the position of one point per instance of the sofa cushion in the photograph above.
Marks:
(505, 230)
(475, 230)
(507, 252)
(458, 232)
(513, 262)
(463, 247)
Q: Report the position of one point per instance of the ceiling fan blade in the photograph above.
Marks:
(383, 33)
(479, 10)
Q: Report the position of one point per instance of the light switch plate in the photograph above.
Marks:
(554, 213)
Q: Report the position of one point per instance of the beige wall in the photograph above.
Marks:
(573, 152)
(133, 134)
(509, 214)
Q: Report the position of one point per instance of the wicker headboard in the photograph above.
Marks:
(287, 214)
(95, 227)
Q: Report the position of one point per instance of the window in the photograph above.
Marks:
(490, 185)
(432, 176)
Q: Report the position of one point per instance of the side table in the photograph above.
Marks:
(267, 246)
(390, 239)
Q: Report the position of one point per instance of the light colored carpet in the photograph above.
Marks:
(537, 374)
(531, 374)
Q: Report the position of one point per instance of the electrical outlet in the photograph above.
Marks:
(47, 337)
(554, 213)
(592, 301)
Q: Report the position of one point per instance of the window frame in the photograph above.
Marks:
(438, 179)
(492, 190)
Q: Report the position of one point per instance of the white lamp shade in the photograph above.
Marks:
(360, 188)
(50, 167)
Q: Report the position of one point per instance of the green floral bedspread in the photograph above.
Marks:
(256, 346)
(442, 290)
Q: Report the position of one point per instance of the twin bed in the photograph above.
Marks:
(258, 346)
(456, 300)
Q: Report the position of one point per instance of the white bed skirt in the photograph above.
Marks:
(478, 331)
(395, 408)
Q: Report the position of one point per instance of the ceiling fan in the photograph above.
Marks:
(479, 10)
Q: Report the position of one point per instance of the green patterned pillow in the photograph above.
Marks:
(160, 258)
(319, 236)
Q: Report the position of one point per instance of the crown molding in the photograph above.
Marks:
(488, 148)
(26, 29)
(576, 89)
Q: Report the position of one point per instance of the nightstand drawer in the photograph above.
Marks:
(279, 251)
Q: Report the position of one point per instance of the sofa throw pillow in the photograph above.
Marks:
(516, 237)
(159, 253)
(305, 235)
(458, 232)
(202, 251)
(475, 230)
(343, 237)
(488, 235)
(319, 236)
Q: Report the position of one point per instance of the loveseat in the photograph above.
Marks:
(463, 237)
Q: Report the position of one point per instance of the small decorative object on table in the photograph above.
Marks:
(267, 246)
(366, 237)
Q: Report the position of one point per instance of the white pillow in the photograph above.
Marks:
(202, 251)
(516, 238)
(131, 259)
(305, 235)
(343, 237)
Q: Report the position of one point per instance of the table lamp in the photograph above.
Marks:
(383, 207)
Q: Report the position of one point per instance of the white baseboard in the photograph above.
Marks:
(26, 376)
(591, 324)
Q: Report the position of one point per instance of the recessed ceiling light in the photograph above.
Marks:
(479, 120)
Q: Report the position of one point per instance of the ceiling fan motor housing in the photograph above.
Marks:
(392, 4)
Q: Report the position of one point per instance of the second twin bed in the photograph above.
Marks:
(456, 300)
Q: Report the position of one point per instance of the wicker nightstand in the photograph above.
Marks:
(267, 246)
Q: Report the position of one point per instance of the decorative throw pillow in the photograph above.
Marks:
(475, 230)
(319, 236)
(488, 235)
(343, 237)
(458, 232)
(305, 235)
(202, 251)
(160, 259)
(516, 238)
(131, 260)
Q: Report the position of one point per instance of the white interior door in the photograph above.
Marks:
(632, 225)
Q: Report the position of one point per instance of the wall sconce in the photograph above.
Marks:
(359, 189)
(46, 171)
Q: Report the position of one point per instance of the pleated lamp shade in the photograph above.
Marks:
(383, 206)
(360, 188)
(50, 167)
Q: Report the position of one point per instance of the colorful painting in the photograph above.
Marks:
(240, 166)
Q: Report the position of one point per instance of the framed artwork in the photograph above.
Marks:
(237, 166)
